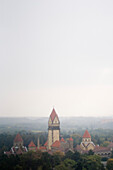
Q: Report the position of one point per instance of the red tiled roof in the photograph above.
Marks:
(42, 148)
(46, 143)
(56, 144)
(53, 114)
(71, 139)
(18, 138)
(86, 134)
(31, 144)
(62, 140)
(101, 148)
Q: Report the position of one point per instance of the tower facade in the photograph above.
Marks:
(53, 128)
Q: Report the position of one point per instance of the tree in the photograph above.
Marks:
(110, 164)
(69, 155)
(70, 163)
(90, 152)
(61, 167)
(92, 162)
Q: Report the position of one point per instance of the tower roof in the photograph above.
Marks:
(71, 139)
(53, 114)
(62, 140)
(18, 138)
(31, 144)
(86, 134)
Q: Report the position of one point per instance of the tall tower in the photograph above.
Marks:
(53, 128)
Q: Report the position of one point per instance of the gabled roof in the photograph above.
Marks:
(56, 144)
(62, 140)
(18, 138)
(31, 144)
(53, 114)
(46, 143)
(71, 139)
(86, 134)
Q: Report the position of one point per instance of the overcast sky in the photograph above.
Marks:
(56, 53)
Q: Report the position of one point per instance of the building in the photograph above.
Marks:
(53, 128)
(32, 146)
(54, 143)
(87, 145)
(18, 141)
(62, 145)
(17, 147)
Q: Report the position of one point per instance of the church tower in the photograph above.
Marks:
(53, 128)
(86, 137)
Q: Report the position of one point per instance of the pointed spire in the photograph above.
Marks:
(31, 144)
(62, 140)
(86, 134)
(71, 139)
(53, 114)
(18, 138)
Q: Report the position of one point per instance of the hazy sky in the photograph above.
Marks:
(56, 53)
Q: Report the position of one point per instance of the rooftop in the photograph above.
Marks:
(31, 144)
(53, 114)
(18, 138)
(86, 134)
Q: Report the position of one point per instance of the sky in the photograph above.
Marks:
(56, 53)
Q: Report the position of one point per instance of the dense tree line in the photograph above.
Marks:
(57, 161)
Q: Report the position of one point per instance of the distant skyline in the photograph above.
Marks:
(56, 54)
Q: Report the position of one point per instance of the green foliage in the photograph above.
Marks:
(44, 161)
(110, 164)
(92, 162)
(69, 163)
(90, 152)
(61, 167)
(104, 159)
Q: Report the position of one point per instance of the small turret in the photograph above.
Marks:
(32, 146)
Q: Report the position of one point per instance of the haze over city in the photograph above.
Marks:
(56, 54)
